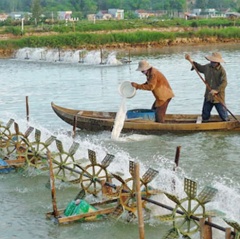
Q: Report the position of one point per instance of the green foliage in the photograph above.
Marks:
(36, 9)
(231, 32)
(86, 33)
(91, 6)
(13, 30)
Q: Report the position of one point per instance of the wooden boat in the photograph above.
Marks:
(100, 121)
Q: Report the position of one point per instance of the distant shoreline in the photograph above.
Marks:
(6, 53)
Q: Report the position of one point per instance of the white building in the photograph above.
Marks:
(117, 13)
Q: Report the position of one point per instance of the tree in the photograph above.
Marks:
(201, 4)
(36, 10)
(179, 5)
(139, 4)
(89, 6)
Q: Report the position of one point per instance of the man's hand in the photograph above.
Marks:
(135, 85)
(187, 57)
(213, 92)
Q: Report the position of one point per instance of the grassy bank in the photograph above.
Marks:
(78, 40)
(120, 34)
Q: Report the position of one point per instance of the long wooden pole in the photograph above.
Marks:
(139, 201)
(209, 88)
(52, 183)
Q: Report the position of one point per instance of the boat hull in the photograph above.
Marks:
(102, 121)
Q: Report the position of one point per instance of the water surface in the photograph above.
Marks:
(209, 158)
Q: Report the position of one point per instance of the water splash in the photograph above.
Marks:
(119, 120)
(68, 56)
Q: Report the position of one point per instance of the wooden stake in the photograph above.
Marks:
(52, 183)
(205, 230)
(74, 126)
(101, 55)
(139, 202)
(177, 155)
(27, 108)
(228, 233)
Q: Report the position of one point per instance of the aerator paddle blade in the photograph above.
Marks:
(190, 188)
(59, 145)
(73, 148)
(131, 168)
(149, 175)
(81, 194)
(107, 160)
(207, 194)
(233, 224)
(50, 140)
(173, 198)
(16, 127)
(92, 156)
(118, 178)
(28, 131)
(37, 135)
(171, 234)
(117, 212)
(9, 123)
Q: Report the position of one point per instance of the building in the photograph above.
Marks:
(16, 15)
(232, 15)
(3, 17)
(117, 14)
(64, 15)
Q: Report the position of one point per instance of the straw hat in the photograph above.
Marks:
(143, 66)
(215, 57)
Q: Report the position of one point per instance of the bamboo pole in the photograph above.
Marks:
(216, 96)
(27, 108)
(139, 201)
(52, 183)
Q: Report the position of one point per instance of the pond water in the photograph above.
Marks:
(209, 158)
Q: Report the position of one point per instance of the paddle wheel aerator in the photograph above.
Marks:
(64, 162)
(94, 175)
(127, 191)
(188, 209)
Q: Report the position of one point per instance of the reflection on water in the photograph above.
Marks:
(209, 158)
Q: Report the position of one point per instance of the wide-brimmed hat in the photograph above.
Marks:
(215, 57)
(143, 66)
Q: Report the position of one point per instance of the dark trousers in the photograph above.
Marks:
(161, 111)
(207, 108)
